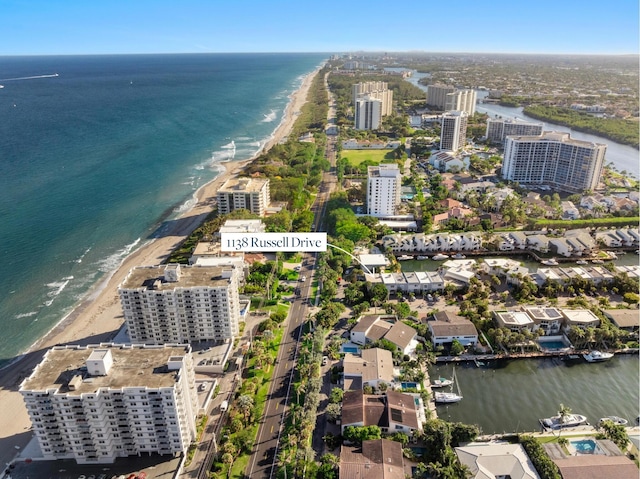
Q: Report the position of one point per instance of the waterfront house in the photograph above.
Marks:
(631, 271)
(376, 459)
(392, 412)
(538, 243)
(498, 266)
(372, 367)
(496, 460)
(515, 321)
(626, 238)
(445, 327)
(609, 239)
(372, 327)
(626, 319)
(546, 318)
(519, 239)
(460, 270)
(582, 318)
(560, 246)
(592, 466)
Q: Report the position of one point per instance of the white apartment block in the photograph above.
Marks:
(453, 132)
(181, 304)
(368, 113)
(383, 189)
(462, 100)
(553, 159)
(374, 89)
(437, 95)
(97, 403)
(499, 129)
(244, 193)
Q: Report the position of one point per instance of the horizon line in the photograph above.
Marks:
(344, 52)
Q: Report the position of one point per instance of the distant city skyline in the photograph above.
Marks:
(42, 27)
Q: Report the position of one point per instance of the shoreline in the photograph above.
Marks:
(98, 316)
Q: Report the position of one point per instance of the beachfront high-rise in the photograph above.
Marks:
(368, 113)
(97, 403)
(384, 184)
(453, 130)
(498, 129)
(181, 304)
(244, 193)
(553, 159)
(461, 100)
(437, 95)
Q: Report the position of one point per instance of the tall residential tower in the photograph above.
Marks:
(181, 304)
(97, 403)
(553, 159)
(453, 131)
(383, 189)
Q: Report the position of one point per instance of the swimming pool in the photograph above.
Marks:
(409, 385)
(552, 344)
(350, 349)
(585, 446)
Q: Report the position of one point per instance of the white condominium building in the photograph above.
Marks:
(437, 95)
(244, 193)
(368, 113)
(553, 159)
(499, 129)
(97, 403)
(383, 189)
(181, 304)
(462, 100)
(374, 89)
(453, 132)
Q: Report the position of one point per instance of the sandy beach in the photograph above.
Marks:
(99, 316)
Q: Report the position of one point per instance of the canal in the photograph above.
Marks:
(511, 395)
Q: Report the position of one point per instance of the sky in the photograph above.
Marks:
(50, 27)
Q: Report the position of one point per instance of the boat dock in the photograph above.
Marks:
(563, 355)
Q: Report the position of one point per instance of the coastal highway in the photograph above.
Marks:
(263, 461)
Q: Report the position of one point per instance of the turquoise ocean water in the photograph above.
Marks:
(96, 152)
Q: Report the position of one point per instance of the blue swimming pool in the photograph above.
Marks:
(552, 345)
(409, 385)
(350, 349)
(585, 446)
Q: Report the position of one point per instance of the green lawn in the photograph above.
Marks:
(356, 157)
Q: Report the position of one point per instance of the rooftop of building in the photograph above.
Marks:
(516, 318)
(154, 277)
(580, 316)
(234, 185)
(376, 459)
(374, 364)
(624, 318)
(133, 366)
(557, 136)
(546, 313)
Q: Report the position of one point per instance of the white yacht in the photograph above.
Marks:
(597, 356)
(446, 397)
(614, 419)
(550, 262)
(558, 422)
(441, 383)
(440, 257)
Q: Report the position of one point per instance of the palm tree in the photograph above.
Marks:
(228, 459)
(564, 412)
(245, 404)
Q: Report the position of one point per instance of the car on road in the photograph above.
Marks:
(303, 279)
(325, 360)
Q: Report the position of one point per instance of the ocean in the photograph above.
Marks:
(96, 152)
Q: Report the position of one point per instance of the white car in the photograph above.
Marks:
(325, 360)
